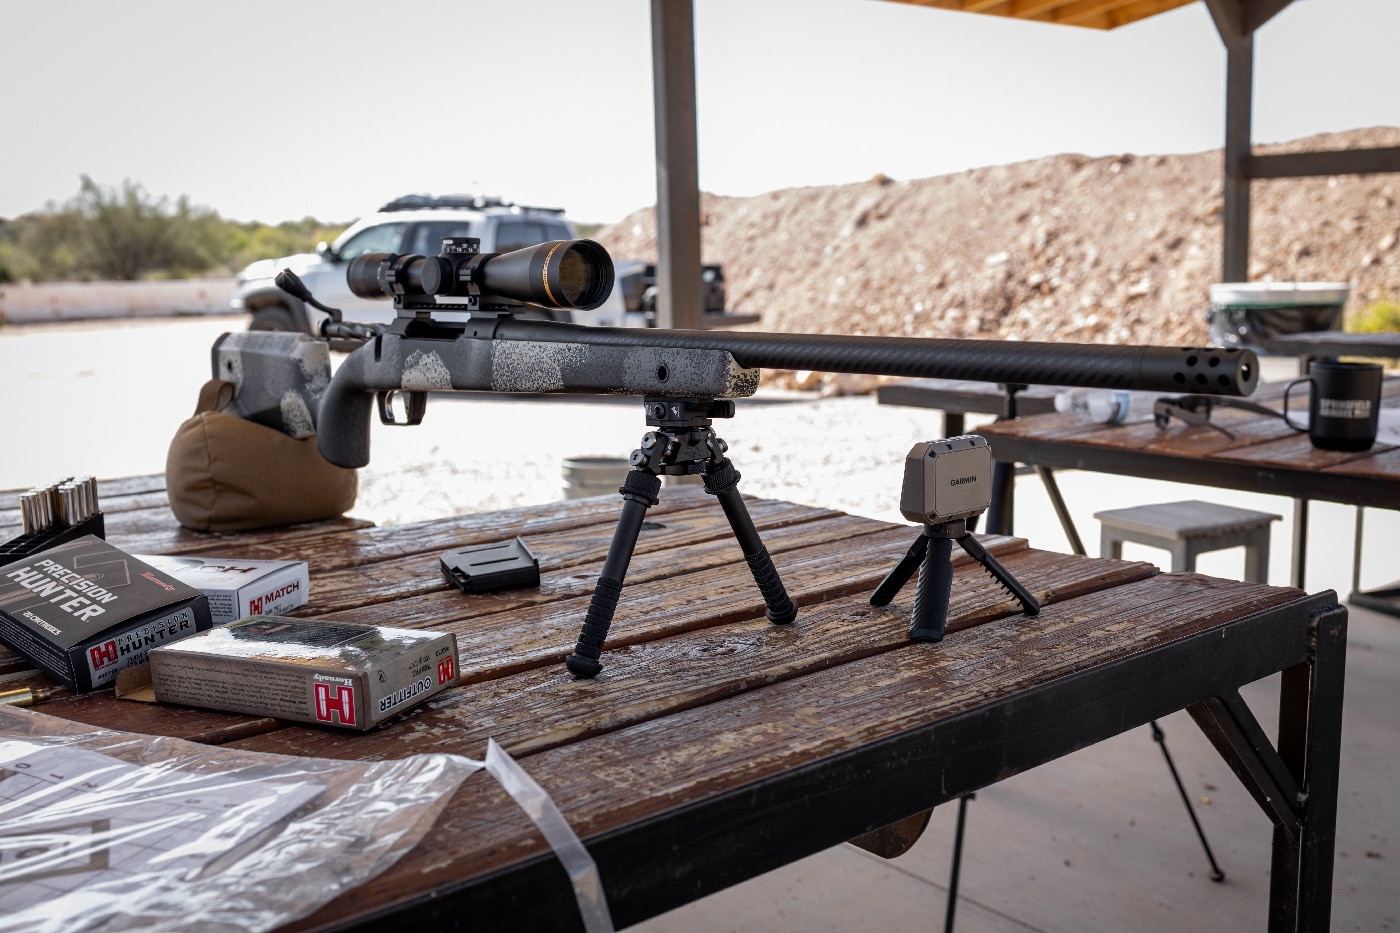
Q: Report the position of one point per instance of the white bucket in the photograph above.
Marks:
(593, 476)
(1245, 313)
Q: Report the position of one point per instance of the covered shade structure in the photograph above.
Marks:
(1236, 21)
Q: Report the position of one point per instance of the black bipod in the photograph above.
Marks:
(683, 443)
(934, 549)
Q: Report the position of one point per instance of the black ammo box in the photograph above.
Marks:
(84, 611)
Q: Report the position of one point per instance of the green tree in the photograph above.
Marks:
(126, 233)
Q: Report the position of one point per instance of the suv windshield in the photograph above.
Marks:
(518, 234)
(428, 237)
(381, 239)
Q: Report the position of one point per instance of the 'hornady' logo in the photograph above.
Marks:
(136, 642)
(335, 702)
(102, 655)
(255, 605)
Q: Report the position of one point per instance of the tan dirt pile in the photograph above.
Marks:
(1119, 249)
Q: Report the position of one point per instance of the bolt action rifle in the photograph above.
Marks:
(686, 378)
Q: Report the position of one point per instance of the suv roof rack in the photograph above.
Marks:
(417, 202)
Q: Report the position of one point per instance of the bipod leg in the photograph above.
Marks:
(722, 482)
(934, 589)
(639, 493)
(894, 581)
(1029, 604)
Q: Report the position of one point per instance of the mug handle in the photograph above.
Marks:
(1289, 388)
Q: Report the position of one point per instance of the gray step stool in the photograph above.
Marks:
(1188, 529)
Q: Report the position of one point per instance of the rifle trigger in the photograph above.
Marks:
(411, 405)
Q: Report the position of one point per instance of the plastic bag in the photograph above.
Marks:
(103, 830)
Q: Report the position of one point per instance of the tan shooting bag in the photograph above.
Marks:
(225, 473)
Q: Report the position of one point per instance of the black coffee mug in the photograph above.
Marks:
(1345, 404)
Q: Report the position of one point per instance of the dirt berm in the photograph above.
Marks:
(1119, 249)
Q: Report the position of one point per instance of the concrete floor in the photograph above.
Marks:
(1098, 840)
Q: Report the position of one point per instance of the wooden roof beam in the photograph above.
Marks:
(1130, 13)
(1015, 9)
(1084, 12)
(1033, 9)
(1093, 14)
(961, 6)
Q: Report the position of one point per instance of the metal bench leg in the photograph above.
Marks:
(1300, 543)
(957, 865)
(1052, 489)
(1356, 550)
(1296, 785)
(1310, 744)
(1160, 738)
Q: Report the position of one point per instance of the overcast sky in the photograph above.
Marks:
(271, 111)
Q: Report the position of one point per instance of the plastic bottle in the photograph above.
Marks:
(1106, 406)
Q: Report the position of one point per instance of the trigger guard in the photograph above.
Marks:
(415, 404)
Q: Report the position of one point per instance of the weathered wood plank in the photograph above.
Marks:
(349, 547)
(546, 707)
(570, 556)
(691, 517)
(518, 634)
(634, 773)
(126, 511)
(160, 534)
(113, 496)
(105, 711)
(495, 637)
(1385, 464)
(1296, 452)
(108, 490)
(152, 529)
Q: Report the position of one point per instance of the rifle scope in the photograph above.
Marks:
(574, 274)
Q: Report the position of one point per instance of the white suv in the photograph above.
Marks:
(411, 224)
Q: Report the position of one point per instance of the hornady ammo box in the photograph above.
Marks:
(339, 674)
(84, 611)
(238, 588)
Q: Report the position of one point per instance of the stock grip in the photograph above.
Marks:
(342, 433)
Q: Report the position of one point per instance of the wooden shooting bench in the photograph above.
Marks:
(957, 398)
(715, 745)
(1263, 456)
(1311, 345)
